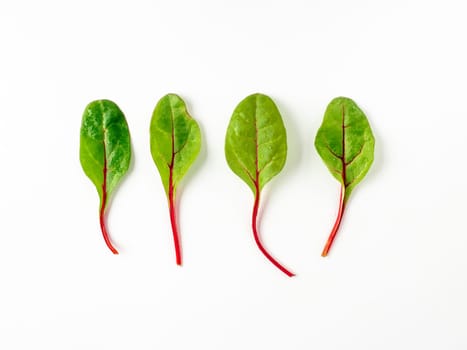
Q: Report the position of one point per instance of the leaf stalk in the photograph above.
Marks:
(105, 234)
(103, 205)
(335, 228)
(173, 222)
(258, 239)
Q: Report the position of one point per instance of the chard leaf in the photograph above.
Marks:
(256, 150)
(346, 144)
(175, 140)
(105, 152)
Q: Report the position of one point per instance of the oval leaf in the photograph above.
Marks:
(175, 140)
(346, 144)
(256, 150)
(105, 151)
(256, 141)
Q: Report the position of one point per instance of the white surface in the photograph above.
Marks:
(397, 275)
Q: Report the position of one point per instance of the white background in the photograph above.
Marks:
(396, 277)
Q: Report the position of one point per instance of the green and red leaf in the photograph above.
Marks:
(175, 141)
(346, 144)
(256, 150)
(105, 152)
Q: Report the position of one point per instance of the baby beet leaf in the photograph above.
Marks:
(175, 140)
(346, 144)
(256, 149)
(105, 152)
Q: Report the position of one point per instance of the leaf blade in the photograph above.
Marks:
(175, 139)
(256, 141)
(104, 138)
(345, 143)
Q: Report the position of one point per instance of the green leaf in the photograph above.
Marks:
(256, 150)
(105, 151)
(346, 144)
(175, 140)
(256, 141)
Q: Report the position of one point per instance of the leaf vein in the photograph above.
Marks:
(243, 166)
(269, 163)
(333, 153)
(356, 156)
(270, 141)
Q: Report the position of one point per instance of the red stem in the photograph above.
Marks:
(102, 210)
(173, 221)
(333, 234)
(257, 238)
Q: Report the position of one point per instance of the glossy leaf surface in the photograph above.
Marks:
(175, 140)
(256, 150)
(346, 144)
(105, 151)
